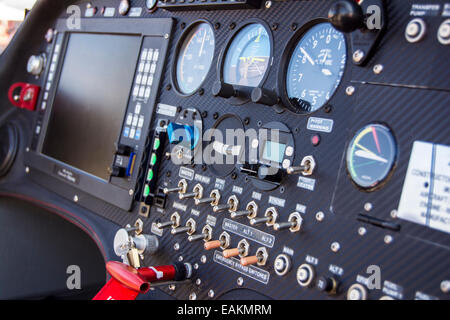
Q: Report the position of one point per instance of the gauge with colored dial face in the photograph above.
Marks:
(195, 56)
(248, 56)
(316, 67)
(371, 156)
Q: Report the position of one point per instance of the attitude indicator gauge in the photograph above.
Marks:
(248, 56)
(371, 156)
(315, 68)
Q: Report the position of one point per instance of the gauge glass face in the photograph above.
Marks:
(195, 57)
(371, 156)
(316, 68)
(247, 58)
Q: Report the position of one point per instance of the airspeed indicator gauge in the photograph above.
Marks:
(314, 68)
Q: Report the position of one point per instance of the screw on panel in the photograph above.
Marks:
(358, 55)
(335, 247)
(268, 4)
(388, 239)
(240, 281)
(362, 231)
(203, 259)
(198, 281)
(320, 216)
(445, 286)
(350, 90)
(131, 192)
(180, 258)
(172, 287)
(193, 296)
(176, 246)
(368, 206)
(211, 293)
(196, 266)
(394, 214)
(377, 69)
(27, 170)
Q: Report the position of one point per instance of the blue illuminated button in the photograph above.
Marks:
(138, 134)
(126, 132)
(185, 134)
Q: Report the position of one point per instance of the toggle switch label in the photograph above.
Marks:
(247, 232)
(234, 264)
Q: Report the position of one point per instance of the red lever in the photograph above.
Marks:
(29, 94)
(127, 282)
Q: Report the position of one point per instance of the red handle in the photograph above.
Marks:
(11, 92)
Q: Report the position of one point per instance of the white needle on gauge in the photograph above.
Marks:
(370, 156)
(203, 44)
(307, 56)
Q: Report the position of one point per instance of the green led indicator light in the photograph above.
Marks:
(153, 159)
(146, 191)
(150, 175)
(156, 144)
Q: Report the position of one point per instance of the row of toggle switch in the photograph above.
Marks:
(294, 222)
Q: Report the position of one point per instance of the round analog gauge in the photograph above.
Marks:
(195, 56)
(316, 67)
(371, 156)
(248, 56)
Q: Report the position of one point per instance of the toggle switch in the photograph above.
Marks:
(174, 222)
(251, 211)
(214, 198)
(294, 223)
(270, 218)
(190, 228)
(197, 193)
(241, 250)
(223, 242)
(182, 187)
(306, 168)
(260, 258)
(231, 205)
(206, 234)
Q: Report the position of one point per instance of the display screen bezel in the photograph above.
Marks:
(116, 191)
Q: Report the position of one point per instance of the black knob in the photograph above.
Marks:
(346, 16)
(222, 89)
(328, 285)
(264, 96)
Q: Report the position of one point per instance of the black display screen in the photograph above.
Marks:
(91, 100)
